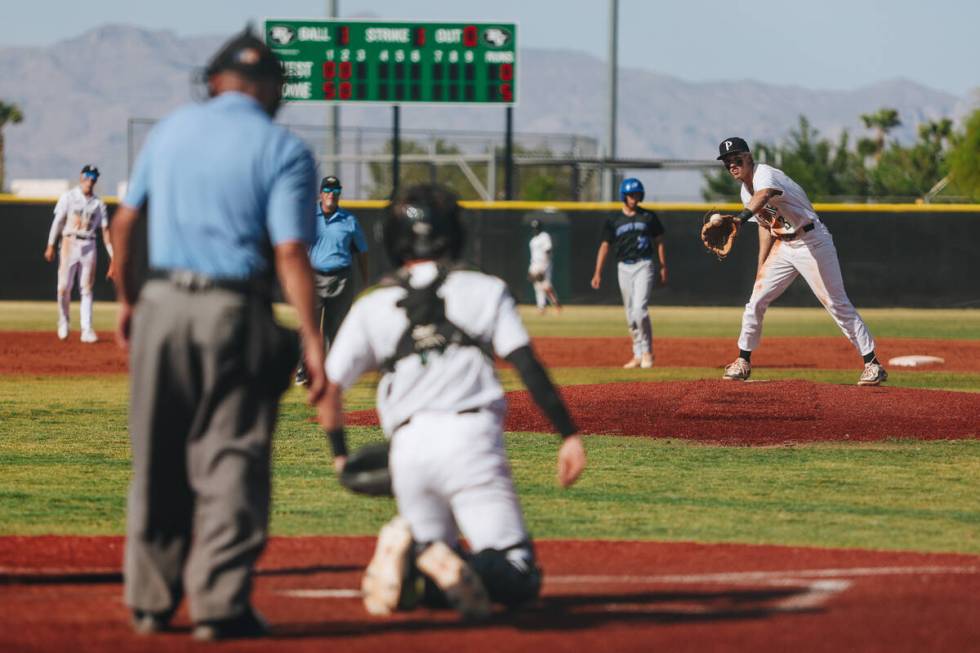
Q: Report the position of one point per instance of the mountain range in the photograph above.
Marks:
(79, 94)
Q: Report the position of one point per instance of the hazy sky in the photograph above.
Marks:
(834, 44)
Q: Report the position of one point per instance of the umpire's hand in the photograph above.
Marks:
(571, 460)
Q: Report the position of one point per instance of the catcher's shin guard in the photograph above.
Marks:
(389, 569)
(511, 576)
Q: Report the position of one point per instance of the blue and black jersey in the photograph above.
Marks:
(633, 236)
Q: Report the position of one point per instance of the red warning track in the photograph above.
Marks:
(751, 413)
(61, 593)
(41, 353)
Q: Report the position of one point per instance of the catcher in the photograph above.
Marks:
(432, 330)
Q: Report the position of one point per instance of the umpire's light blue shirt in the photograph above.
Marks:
(336, 238)
(224, 183)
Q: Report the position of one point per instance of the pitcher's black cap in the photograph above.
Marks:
(733, 145)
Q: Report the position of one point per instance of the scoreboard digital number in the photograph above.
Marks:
(396, 62)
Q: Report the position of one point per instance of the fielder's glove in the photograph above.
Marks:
(366, 471)
(719, 238)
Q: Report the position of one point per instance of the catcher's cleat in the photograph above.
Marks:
(738, 371)
(89, 336)
(873, 374)
(381, 586)
(149, 623)
(633, 363)
(463, 588)
(62, 332)
(646, 361)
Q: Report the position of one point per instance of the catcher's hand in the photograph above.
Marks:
(366, 471)
(718, 233)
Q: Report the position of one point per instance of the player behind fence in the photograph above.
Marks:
(432, 331)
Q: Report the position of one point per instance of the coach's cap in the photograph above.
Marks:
(330, 184)
(733, 145)
(89, 170)
(247, 55)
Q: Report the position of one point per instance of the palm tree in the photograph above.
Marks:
(882, 121)
(9, 113)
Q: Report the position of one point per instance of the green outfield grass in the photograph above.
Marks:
(64, 466)
(597, 321)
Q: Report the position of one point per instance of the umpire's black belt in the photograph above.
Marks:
(190, 281)
(807, 228)
(336, 272)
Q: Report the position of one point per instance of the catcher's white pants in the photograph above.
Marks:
(635, 283)
(541, 287)
(813, 256)
(77, 259)
(449, 473)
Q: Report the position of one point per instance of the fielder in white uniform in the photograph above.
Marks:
(433, 330)
(539, 270)
(792, 242)
(78, 215)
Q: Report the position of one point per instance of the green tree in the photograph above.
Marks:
(964, 160)
(882, 121)
(9, 114)
(905, 172)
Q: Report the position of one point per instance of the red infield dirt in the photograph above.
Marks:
(41, 353)
(64, 594)
(750, 413)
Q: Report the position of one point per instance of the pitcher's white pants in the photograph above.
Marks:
(77, 259)
(813, 256)
(635, 284)
(450, 473)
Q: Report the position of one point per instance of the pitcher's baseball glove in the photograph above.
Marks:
(366, 471)
(718, 235)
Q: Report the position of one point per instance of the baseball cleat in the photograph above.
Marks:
(383, 578)
(646, 361)
(740, 370)
(632, 364)
(873, 374)
(89, 336)
(62, 332)
(463, 588)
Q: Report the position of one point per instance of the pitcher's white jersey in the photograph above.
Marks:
(78, 216)
(540, 247)
(461, 378)
(783, 214)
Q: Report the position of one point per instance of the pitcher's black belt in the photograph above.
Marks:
(197, 282)
(81, 236)
(466, 411)
(808, 227)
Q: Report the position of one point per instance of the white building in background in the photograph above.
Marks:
(39, 187)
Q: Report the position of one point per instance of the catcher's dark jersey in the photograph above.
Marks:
(633, 236)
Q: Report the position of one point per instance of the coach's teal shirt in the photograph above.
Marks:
(224, 182)
(337, 236)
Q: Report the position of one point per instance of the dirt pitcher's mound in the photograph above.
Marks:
(751, 413)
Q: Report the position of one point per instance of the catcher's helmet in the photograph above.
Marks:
(423, 222)
(629, 186)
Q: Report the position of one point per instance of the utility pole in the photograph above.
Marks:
(333, 118)
(612, 74)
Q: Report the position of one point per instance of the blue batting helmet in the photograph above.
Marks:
(629, 186)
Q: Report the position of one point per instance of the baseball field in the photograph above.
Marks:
(793, 511)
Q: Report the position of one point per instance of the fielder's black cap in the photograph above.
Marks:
(90, 169)
(733, 145)
(247, 55)
(330, 182)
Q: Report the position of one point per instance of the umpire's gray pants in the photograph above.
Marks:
(333, 296)
(635, 284)
(206, 372)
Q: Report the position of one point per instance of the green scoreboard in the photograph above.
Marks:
(396, 62)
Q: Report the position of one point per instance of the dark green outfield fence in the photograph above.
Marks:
(891, 255)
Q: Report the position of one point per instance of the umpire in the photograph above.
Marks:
(229, 207)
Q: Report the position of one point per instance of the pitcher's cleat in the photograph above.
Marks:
(873, 374)
(740, 370)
